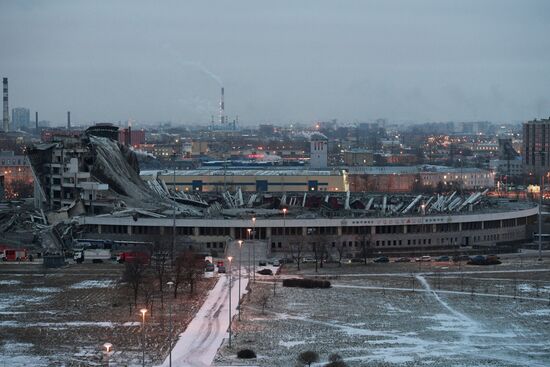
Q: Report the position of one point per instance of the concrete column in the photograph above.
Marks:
(129, 229)
(232, 232)
(99, 228)
(373, 230)
(196, 231)
(404, 228)
(339, 230)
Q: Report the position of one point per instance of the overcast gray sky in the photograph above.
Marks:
(280, 61)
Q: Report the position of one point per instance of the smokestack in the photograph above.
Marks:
(36, 120)
(6, 119)
(222, 108)
(69, 120)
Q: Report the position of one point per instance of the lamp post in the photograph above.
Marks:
(170, 284)
(253, 250)
(143, 311)
(240, 266)
(284, 234)
(172, 250)
(107, 347)
(540, 215)
(230, 258)
(249, 232)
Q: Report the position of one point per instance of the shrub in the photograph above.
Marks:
(308, 357)
(306, 283)
(335, 361)
(246, 354)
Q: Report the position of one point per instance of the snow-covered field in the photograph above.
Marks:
(63, 317)
(479, 319)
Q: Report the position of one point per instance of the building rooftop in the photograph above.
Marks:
(399, 170)
(242, 172)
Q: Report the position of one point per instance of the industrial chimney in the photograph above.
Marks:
(68, 120)
(6, 118)
(36, 120)
(222, 109)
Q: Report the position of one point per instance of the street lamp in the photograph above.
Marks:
(170, 284)
(230, 258)
(284, 234)
(253, 251)
(240, 266)
(107, 347)
(143, 311)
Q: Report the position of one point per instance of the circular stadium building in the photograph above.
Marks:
(335, 225)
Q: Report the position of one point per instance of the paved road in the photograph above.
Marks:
(199, 343)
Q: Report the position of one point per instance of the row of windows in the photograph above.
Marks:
(261, 233)
(219, 245)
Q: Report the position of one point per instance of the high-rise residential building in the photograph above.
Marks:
(21, 118)
(536, 147)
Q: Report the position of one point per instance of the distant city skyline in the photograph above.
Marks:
(279, 62)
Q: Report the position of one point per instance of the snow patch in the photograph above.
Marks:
(290, 344)
(9, 282)
(46, 289)
(541, 312)
(93, 284)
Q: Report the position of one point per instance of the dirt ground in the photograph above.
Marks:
(440, 314)
(63, 317)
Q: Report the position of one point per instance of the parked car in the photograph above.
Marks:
(423, 258)
(443, 258)
(209, 267)
(265, 272)
(402, 260)
(276, 262)
(306, 260)
(286, 261)
(493, 258)
(262, 263)
(461, 258)
(221, 269)
(357, 260)
(382, 259)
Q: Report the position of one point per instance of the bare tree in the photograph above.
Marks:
(178, 270)
(133, 275)
(190, 267)
(147, 287)
(340, 250)
(297, 250)
(161, 262)
(365, 248)
(264, 299)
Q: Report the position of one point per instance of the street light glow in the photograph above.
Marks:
(107, 347)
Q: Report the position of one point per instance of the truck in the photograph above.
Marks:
(138, 257)
(15, 255)
(92, 255)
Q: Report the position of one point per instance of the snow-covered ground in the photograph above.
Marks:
(198, 344)
(374, 320)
